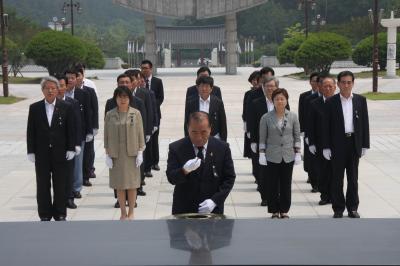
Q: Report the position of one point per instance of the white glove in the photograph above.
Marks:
(244, 127)
(312, 149)
(253, 147)
(77, 150)
(70, 155)
(297, 158)
(89, 137)
(109, 162)
(148, 138)
(327, 154)
(262, 159)
(248, 135)
(301, 134)
(154, 130)
(363, 151)
(95, 131)
(207, 206)
(139, 159)
(192, 165)
(31, 157)
(306, 140)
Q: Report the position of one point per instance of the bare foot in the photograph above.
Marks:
(123, 217)
(130, 217)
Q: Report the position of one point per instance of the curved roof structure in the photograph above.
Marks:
(183, 8)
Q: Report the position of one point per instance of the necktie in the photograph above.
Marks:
(147, 84)
(200, 153)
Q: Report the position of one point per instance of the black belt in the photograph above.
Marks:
(349, 135)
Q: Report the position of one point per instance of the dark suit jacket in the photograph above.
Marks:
(244, 111)
(145, 96)
(86, 111)
(213, 181)
(335, 134)
(252, 95)
(193, 92)
(302, 114)
(137, 104)
(216, 115)
(94, 106)
(317, 122)
(156, 118)
(305, 110)
(50, 142)
(77, 119)
(157, 87)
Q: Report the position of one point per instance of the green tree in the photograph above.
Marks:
(55, 50)
(288, 49)
(14, 55)
(94, 57)
(362, 54)
(320, 50)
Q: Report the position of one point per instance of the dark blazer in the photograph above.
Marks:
(193, 92)
(77, 119)
(157, 87)
(216, 114)
(334, 136)
(137, 104)
(305, 110)
(252, 95)
(213, 180)
(50, 142)
(85, 109)
(302, 114)
(156, 118)
(244, 111)
(94, 106)
(145, 96)
(317, 122)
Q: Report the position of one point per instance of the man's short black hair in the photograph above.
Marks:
(344, 74)
(314, 74)
(123, 91)
(62, 77)
(202, 69)
(255, 75)
(147, 61)
(72, 71)
(133, 73)
(198, 117)
(123, 75)
(266, 69)
(205, 80)
(80, 65)
(321, 76)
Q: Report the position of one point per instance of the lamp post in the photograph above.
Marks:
(4, 67)
(306, 4)
(375, 18)
(71, 5)
(319, 21)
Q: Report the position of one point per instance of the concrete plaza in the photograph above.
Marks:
(379, 172)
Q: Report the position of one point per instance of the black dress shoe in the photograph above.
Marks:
(148, 174)
(338, 215)
(324, 202)
(141, 192)
(92, 174)
(314, 190)
(308, 180)
(275, 216)
(264, 203)
(156, 167)
(116, 205)
(142, 183)
(60, 218)
(354, 214)
(45, 219)
(71, 204)
(87, 183)
(77, 194)
(135, 204)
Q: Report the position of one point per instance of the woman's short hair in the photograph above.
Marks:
(123, 91)
(255, 75)
(280, 91)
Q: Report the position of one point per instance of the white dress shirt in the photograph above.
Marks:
(149, 80)
(49, 110)
(204, 150)
(204, 105)
(71, 93)
(347, 107)
(270, 105)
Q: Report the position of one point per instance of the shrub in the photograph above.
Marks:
(288, 48)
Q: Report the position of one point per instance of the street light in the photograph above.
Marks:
(319, 21)
(375, 18)
(71, 5)
(306, 4)
(4, 67)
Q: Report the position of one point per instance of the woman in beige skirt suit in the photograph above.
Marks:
(124, 144)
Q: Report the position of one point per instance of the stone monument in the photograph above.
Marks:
(392, 24)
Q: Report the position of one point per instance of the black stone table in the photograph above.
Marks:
(205, 242)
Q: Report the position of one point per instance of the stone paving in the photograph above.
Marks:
(379, 172)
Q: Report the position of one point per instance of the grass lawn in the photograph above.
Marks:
(376, 96)
(361, 75)
(10, 99)
(22, 80)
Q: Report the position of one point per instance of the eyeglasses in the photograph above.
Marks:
(346, 82)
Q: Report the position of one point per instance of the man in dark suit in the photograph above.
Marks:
(51, 144)
(201, 168)
(304, 102)
(78, 136)
(84, 99)
(192, 91)
(156, 85)
(257, 109)
(209, 104)
(89, 154)
(347, 139)
(316, 124)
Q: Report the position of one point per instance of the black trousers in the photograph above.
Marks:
(255, 165)
(155, 148)
(279, 186)
(310, 163)
(88, 160)
(324, 174)
(263, 181)
(148, 155)
(70, 179)
(347, 162)
(48, 172)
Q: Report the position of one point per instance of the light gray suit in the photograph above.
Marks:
(280, 144)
